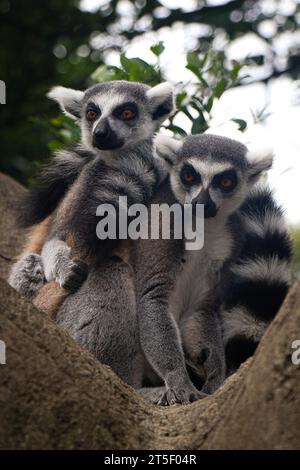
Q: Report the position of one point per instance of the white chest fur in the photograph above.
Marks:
(201, 269)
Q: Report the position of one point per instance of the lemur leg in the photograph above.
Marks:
(101, 317)
(204, 349)
(27, 274)
(50, 297)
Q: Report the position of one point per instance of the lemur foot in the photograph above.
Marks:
(27, 275)
(211, 361)
(180, 395)
(152, 394)
(73, 275)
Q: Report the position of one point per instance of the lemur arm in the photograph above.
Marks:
(161, 344)
(156, 263)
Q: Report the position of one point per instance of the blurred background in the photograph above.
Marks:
(235, 64)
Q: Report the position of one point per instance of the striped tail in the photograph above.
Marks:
(259, 278)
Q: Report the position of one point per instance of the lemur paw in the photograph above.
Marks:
(211, 361)
(73, 275)
(180, 395)
(27, 275)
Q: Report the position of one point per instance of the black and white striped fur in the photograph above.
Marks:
(259, 275)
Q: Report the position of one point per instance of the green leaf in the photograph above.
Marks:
(194, 63)
(199, 125)
(158, 48)
(236, 67)
(125, 62)
(54, 145)
(177, 130)
(192, 59)
(220, 88)
(180, 98)
(109, 72)
(209, 104)
(241, 123)
(103, 74)
(140, 71)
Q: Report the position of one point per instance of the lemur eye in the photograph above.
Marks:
(127, 114)
(226, 182)
(189, 176)
(91, 114)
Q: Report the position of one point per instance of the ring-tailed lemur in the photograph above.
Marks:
(117, 120)
(131, 172)
(243, 272)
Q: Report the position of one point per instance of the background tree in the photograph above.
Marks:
(44, 43)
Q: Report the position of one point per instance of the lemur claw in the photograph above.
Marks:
(180, 395)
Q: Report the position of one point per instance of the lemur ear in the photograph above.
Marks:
(259, 161)
(161, 99)
(167, 148)
(68, 99)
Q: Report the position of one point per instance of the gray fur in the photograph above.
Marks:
(103, 319)
(27, 275)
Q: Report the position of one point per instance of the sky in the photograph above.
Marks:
(281, 129)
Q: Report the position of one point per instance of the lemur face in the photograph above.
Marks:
(117, 114)
(211, 170)
(199, 180)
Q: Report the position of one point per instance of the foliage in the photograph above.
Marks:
(195, 99)
(55, 42)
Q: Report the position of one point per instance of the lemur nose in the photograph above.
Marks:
(210, 208)
(105, 138)
(102, 132)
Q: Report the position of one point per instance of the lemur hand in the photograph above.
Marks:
(72, 274)
(27, 275)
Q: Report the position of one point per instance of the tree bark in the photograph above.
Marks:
(54, 395)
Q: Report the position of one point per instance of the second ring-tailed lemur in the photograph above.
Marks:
(243, 272)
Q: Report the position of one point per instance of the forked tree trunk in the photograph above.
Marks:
(54, 395)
